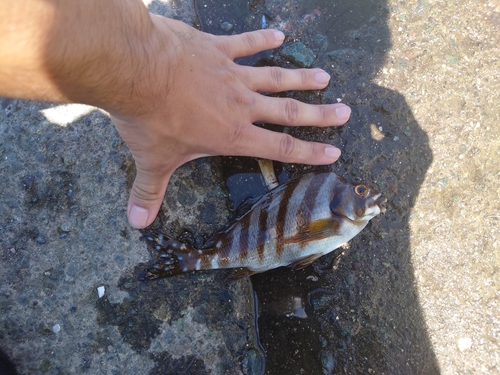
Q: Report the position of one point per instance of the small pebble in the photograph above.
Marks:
(65, 227)
(208, 214)
(321, 299)
(298, 54)
(68, 160)
(41, 239)
(56, 328)
(327, 362)
(28, 181)
(443, 182)
(226, 26)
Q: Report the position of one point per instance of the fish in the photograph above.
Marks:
(292, 225)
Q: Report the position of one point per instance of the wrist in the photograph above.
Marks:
(94, 54)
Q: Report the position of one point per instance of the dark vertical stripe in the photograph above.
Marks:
(337, 184)
(310, 200)
(205, 262)
(262, 232)
(281, 216)
(225, 248)
(244, 233)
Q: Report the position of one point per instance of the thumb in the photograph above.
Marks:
(145, 198)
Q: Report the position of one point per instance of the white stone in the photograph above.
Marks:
(56, 328)
(464, 343)
(100, 291)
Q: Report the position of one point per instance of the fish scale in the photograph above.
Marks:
(292, 225)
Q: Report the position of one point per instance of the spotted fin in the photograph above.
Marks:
(172, 256)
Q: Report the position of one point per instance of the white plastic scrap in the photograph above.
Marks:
(100, 291)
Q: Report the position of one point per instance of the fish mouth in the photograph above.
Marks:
(381, 203)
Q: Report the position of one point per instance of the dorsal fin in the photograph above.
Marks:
(243, 208)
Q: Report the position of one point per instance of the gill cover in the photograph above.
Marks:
(354, 202)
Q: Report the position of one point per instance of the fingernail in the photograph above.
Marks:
(279, 36)
(332, 153)
(343, 113)
(138, 217)
(322, 78)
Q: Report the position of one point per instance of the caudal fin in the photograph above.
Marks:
(172, 256)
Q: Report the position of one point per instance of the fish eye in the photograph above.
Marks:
(361, 190)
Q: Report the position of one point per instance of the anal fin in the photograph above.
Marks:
(240, 273)
(304, 262)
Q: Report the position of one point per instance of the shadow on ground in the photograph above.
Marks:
(359, 312)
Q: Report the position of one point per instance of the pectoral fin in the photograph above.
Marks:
(315, 230)
(304, 262)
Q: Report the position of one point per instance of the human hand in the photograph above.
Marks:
(194, 101)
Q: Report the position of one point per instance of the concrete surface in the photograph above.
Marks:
(416, 292)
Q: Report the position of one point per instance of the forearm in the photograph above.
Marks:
(174, 93)
(72, 50)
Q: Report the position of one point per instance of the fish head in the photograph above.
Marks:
(358, 203)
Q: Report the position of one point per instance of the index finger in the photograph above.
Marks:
(249, 43)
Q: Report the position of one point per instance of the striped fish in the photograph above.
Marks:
(292, 225)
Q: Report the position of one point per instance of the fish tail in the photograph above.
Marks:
(173, 257)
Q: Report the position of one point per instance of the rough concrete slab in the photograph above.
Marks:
(65, 175)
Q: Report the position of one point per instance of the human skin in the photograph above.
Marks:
(174, 93)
